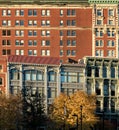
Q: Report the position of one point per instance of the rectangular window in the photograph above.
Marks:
(6, 32)
(61, 12)
(110, 32)
(110, 43)
(110, 12)
(99, 53)
(19, 22)
(45, 43)
(19, 42)
(19, 33)
(111, 22)
(99, 22)
(71, 22)
(45, 52)
(61, 32)
(99, 43)
(32, 22)
(71, 12)
(61, 52)
(19, 12)
(45, 23)
(6, 42)
(45, 12)
(45, 33)
(6, 12)
(61, 42)
(19, 52)
(99, 12)
(32, 42)
(32, 12)
(71, 52)
(111, 53)
(6, 52)
(32, 52)
(32, 33)
(6, 22)
(98, 33)
(71, 33)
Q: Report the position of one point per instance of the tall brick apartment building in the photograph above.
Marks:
(60, 30)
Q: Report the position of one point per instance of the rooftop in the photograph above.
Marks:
(34, 60)
(44, 1)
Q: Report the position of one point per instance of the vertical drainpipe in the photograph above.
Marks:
(46, 88)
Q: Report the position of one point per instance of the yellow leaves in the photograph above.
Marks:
(64, 107)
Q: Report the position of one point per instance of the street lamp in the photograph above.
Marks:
(76, 120)
(81, 107)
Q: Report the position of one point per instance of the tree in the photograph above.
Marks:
(66, 109)
(10, 111)
(33, 109)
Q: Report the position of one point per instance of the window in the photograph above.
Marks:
(6, 42)
(1, 81)
(71, 22)
(32, 22)
(99, 53)
(61, 22)
(19, 12)
(6, 12)
(32, 52)
(110, 32)
(45, 33)
(110, 43)
(61, 12)
(19, 22)
(111, 22)
(61, 52)
(32, 42)
(32, 12)
(61, 42)
(99, 43)
(61, 32)
(19, 42)
(45, 42)
(111, 53)
(19, 33)
(6, 22)
(45, 52)
(71, 12)
(52, 76)
(71, 77)
(45, 23)
(19, 52)
(99, 33)
(110, 12)
(71, 42)
(1, 68)
(32, 33)
(71, 52)
(71, 33)
(6, 52)
(99, 12)
(45, 12)
(99, 22)
(6, 33)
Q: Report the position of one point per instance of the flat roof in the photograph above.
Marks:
(44, 1)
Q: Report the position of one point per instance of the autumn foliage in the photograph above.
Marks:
(64, 107)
